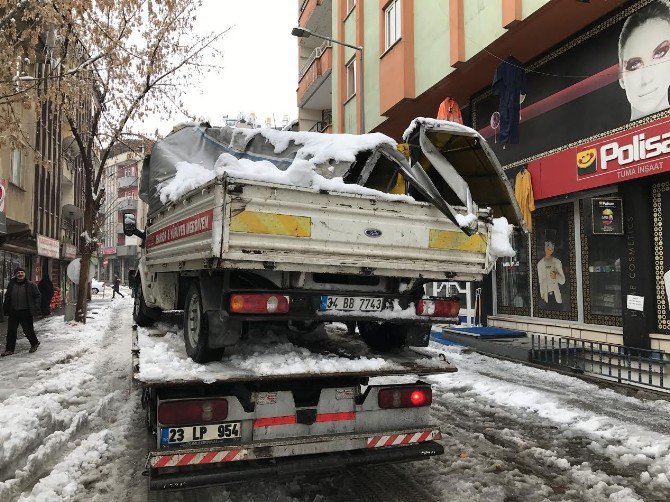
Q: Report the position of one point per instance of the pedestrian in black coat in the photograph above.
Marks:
(46, 288)
(115, 288)
(22, 302)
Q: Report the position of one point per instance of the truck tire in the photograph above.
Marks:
(196, 328)
(140, 310)
(383, 337)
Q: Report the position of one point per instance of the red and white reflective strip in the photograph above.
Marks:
(292, 420)
(208, 457)
(400, 439)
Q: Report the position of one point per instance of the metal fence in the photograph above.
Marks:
(617, 362)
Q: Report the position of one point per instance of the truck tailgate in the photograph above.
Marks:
(285, 228)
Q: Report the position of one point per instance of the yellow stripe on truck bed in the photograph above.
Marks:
(254, 222)
(458, 241)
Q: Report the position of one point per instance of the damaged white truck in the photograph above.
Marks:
(299, 229)
(267, 229)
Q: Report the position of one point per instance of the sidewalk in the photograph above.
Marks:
(612, 364)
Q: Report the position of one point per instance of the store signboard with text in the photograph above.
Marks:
(49, 248)
(638, 152)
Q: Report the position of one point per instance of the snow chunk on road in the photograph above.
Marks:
(164, 358)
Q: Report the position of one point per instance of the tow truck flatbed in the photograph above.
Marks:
(160, 360)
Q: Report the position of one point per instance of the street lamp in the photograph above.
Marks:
(305, 33)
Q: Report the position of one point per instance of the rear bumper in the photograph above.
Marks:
(216, 474)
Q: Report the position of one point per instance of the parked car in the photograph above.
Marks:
(96, 286)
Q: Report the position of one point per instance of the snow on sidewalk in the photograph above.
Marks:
(63, 422)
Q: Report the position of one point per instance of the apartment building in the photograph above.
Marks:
(42, 187)
(591, 134)
(121, 181)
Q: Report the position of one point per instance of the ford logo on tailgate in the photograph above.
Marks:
(373, 232)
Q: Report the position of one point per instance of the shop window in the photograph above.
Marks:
(392, 23)
(553, 262)
(601, 247)
(351, 78)
(512, 279)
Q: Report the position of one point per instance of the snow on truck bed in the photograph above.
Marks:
(162, 360)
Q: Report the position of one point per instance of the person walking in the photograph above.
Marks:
(22, 302)
(46, 288)
(115, 288)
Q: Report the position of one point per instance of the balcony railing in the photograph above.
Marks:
(316, 54)
(320, 126)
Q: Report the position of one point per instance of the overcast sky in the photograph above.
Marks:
(260, 59)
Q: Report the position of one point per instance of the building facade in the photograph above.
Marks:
(592, 135)
(120, 253)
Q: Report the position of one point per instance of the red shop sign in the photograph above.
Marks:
(635, 153)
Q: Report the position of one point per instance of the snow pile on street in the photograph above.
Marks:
(501, 245)
(316, 149)
(164, 358)
(592, 443)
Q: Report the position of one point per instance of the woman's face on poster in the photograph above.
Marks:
(645, 68)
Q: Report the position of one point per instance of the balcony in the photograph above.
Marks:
(127, 181)
(315, 15)
(126, 250)
(314, 84)
(127, 203)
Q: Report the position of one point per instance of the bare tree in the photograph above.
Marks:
(105, 64)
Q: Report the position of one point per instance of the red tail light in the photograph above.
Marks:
(192, 411)
(405, 397)
(447, 307)
(258, 304)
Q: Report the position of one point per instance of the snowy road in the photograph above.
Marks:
(71, 428)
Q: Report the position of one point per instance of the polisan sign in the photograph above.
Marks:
(639, 152)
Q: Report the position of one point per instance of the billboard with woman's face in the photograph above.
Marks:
(644, 54)
(615, 72)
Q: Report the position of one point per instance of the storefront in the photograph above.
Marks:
(595, 137)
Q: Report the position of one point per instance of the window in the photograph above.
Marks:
(513, 280)
(16, 174)
(350, 5)
(392, 23)
(351, 78)
(601, 268)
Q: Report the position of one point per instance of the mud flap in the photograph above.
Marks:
(418, 335)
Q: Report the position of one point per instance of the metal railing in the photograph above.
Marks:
(314, 55)
(617, 362)
(320, 126)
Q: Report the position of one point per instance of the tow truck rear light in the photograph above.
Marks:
(258, 304)
(405, 397)
(447, 307)
(192, 411)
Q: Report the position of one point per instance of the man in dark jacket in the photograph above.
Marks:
(22, 301)
(116, 286)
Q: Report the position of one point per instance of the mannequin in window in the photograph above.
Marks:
(550, 277)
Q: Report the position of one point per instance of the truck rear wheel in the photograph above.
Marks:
(196, 329)
(140, 310)
(383, 337)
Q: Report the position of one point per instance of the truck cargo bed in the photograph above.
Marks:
(159, 359)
